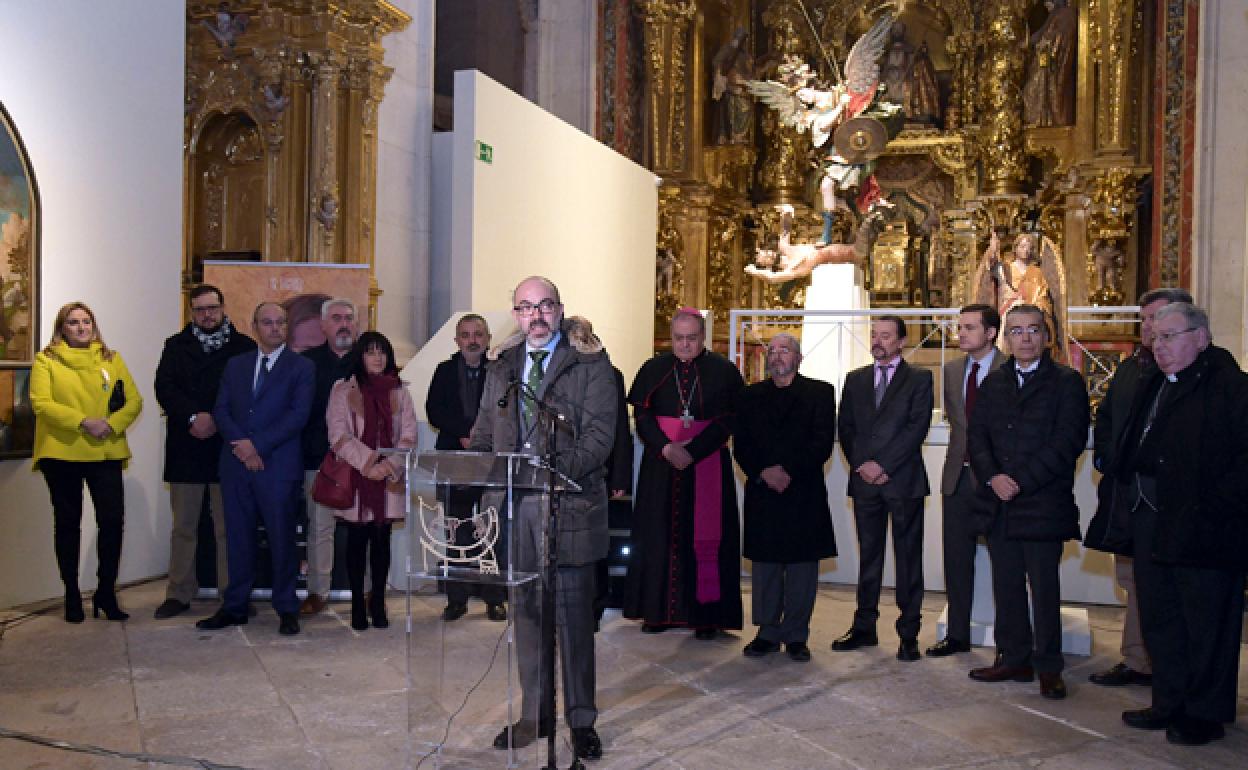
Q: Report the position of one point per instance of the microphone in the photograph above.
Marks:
(512, 382)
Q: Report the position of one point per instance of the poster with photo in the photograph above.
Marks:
(301, 288)
(19, 249)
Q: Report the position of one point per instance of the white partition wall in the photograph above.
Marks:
(96, 91)
(529, 194)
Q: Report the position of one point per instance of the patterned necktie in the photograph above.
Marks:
(261, 375)
(972, 391)
(534, 381)
(882, 385)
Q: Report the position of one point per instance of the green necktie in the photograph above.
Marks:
(534, 381)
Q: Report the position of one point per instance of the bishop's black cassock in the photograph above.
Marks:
(685, 566)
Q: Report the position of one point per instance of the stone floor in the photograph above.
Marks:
(156, 694)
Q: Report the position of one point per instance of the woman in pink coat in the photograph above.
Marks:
(368, 411)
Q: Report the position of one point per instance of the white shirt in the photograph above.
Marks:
(985, 364)
(260, 356)
(1019, 371)
(549, 347)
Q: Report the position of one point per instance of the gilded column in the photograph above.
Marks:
(1001, 130)
(667, 25)
(323, 200)
(1118, 28)
(962, 97)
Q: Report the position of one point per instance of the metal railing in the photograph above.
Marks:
(848, 331)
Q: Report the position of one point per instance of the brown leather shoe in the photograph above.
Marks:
(1052, 686)
(313, 605)
(1000, 672)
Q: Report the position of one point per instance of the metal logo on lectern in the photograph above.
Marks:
(438, 539)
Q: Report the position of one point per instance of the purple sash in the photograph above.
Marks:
(707, 508)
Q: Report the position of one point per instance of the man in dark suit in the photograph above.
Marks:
(564, 367)
(886, 410)
(1111, 419)
(187, 380)
(786, 427)
(978, 327)
(451, 405)
(1028, 429)
(261, 410)
(1184, 450)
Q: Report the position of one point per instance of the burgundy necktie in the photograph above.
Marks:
(972, 390)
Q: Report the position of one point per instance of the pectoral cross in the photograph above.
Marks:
(686, 419)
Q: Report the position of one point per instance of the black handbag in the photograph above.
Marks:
(117, 399)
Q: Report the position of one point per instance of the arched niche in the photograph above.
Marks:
(227, 206)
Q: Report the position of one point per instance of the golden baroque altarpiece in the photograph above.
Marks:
(281, 130)
(1039, 120)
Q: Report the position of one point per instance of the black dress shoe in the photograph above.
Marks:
(496, 612)
(947, 646)
(1052, 686)
(251, 610)
(1190, 731)
(521, 734)
(221, 619)
(798, 651)
(170, 608)
(908, 650)
(653, 628)
(585, 741)
(705, 634)
(760, 647)
(1146, 719)
(1120, 675)
(289, 623)
(454, 612)
(1002, 673)
(855, 638)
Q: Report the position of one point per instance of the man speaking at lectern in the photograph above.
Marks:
(559, 366)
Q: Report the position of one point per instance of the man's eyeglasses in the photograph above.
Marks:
(1169, 336)
(1030, 331)
(547, 306)
(205, 308)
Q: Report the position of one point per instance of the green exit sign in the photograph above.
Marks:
(485, 152)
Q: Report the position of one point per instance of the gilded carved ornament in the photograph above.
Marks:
(665, 35)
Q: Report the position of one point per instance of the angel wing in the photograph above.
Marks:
(862, 68)
(1055, 277)
(780, 98)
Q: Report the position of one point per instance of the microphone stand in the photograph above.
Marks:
(550, 419)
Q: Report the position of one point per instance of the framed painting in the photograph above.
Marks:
(17, 417)
(19, 250)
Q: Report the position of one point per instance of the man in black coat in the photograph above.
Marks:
(451, 405)
(338, 321)
(187, 379)
(1111, 419)
(786, 428)
(1185, 448)
(886, 411)
(1029, 427)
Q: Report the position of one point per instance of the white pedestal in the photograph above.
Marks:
(834, 345)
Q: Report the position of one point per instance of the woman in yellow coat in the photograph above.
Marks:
(84, 399)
